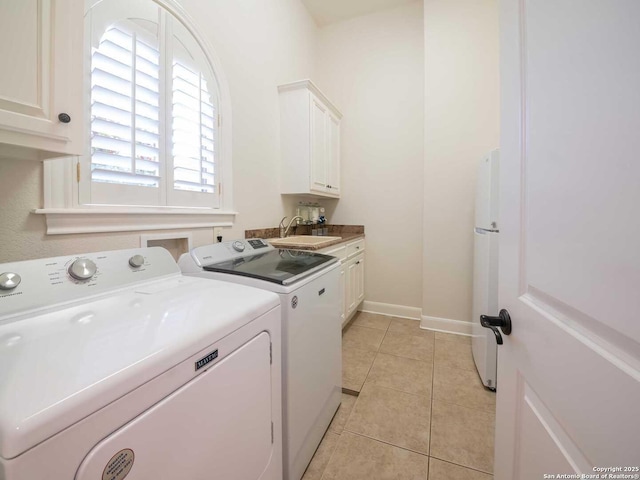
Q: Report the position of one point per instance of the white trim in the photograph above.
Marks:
(308, 84)
(401, 311)
(65, 214)
(145, 238)
(28, 131)
(446, 325)
(62, 221)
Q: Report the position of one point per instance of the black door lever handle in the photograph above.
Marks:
(502, 321)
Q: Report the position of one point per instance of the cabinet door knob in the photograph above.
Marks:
(64, 118)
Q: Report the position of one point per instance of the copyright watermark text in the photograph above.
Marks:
(600, 473)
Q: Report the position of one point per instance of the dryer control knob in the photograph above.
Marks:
(238, 246)
(9, 280)
(82, 269)
(136, 261)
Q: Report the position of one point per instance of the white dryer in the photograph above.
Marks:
(113, 365)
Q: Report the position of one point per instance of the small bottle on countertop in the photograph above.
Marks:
(322, 230)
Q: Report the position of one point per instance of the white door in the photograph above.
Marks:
(333, 154)
(318, 180)
(359, 292)
(569, 373)
(352, 283)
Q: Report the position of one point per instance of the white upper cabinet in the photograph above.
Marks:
(310, 141)
(41, 85)
(333, 165)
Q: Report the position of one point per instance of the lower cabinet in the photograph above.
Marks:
(352, 260)
(355, 266)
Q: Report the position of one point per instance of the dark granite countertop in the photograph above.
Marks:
(347, 233)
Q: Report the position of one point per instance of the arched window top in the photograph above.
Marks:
(156, 100)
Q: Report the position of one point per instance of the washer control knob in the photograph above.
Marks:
(238, 246)
(82, 269)
(136, 261)
(9, 280)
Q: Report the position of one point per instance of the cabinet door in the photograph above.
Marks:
(318, 180)
(352, 282)
(333, 154)
(42, 77)
(343, 290)
(359, 289)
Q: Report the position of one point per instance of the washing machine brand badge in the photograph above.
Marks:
(294, 302)
(204, 361)
(119, 466)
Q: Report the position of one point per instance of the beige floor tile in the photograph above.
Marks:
(361, 458)
(322, 456)
(462, 387)
(406, 345)
(355, 367)
(362, 338)
(404, 374)
(398, 418)
(342, 415)
(450, 337)
(439, 470)
(372, 320)
(409, 327)
(462, 435)
(454, 355)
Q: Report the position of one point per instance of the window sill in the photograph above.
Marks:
(64, 221)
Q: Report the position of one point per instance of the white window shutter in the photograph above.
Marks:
(193, 132)
(154, 119)
(125, 111)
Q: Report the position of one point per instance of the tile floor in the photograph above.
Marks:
(421, 410)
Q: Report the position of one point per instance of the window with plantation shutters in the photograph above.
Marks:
(154, 119)
(125, 110)
(193, 135)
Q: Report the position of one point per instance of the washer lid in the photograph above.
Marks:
(277, 266)
(59, 367)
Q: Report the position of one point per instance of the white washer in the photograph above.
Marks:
(114, 365)
(309, 288)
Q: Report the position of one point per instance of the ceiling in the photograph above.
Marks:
(325, 12)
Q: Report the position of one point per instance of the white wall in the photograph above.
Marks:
(372, 68)
(376, 68)
(261, 44)
(461, 124)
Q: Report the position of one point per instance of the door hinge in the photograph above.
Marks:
(271, 432)
(78, 172)
(271, 353)
(219, 188)
(219, 121)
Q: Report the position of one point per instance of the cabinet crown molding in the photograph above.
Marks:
(309, 85)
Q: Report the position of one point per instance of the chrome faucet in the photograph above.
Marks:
(284, 231)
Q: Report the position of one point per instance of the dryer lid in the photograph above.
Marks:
(58, 367)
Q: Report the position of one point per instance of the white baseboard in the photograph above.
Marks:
(446, 325)
(401, 311)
